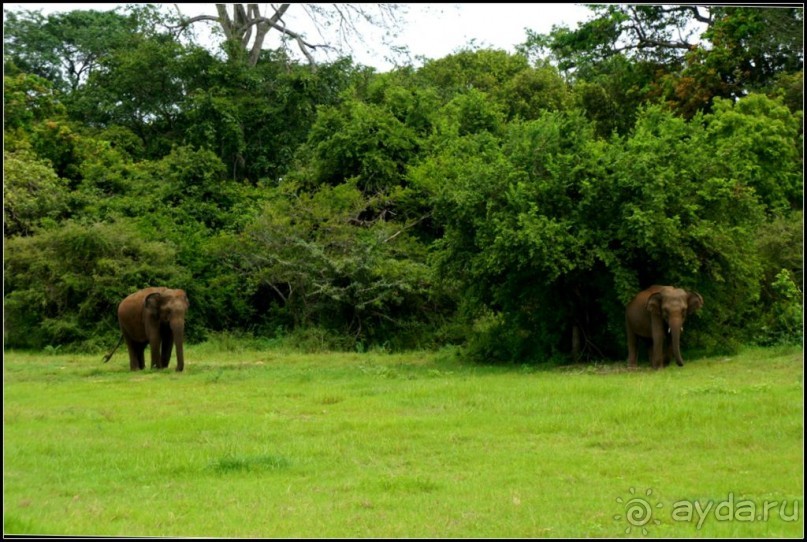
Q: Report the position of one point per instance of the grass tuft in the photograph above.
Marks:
(233, 463)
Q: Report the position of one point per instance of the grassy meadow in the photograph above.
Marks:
(274, 443)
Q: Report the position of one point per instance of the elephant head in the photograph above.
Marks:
(670, 306)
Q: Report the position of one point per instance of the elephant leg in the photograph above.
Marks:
(650, 352)
(167, 347)
(132, 348)
(658, 358)
(136, 351)
(154, 344)
(658, 349)
(667, 354)
(658, 361)
(141, 356)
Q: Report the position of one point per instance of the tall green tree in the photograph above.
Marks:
(658, 33)
(551, 228)
(255, 119)
(29, 99)
(144, 88)
(522, 90)
(698, 52)
(65, 48)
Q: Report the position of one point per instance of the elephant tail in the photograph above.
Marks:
(106, 358)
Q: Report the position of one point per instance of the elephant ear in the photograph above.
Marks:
(694, 302)
(152, 301)
(654, 303)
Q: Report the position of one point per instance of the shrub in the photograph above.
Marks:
(63, 285)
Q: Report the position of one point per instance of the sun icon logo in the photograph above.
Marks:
(638, 511)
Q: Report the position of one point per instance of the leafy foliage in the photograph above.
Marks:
(28, 99)
(63, 285)
(696, 53)
(484, 198)
(757, 135)
(32, 193)
(315, 262)
(64, 48)
(255, 119)
(360, 141)
(780, 244)
(553, 217)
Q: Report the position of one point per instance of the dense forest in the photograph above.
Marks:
(502, 202)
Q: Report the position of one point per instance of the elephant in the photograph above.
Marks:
(153, 317)
(648, 314)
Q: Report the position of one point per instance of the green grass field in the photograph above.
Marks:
(278, 444)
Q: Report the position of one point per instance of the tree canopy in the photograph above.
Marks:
(511, 203)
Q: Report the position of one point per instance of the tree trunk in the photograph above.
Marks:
(238, 30)
(576, 343)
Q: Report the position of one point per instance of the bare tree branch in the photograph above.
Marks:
(186, 22)
(707, 19)
(345, 18)
(644, 41)
(406, 227)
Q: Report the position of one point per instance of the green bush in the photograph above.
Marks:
(32, 193)
(63, 285)
(783, 321)
(360, 141)
(553, 228)
(315, 261)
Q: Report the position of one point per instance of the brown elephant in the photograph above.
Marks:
(153, 317)
(653, 314)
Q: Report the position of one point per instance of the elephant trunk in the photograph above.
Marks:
(178, 330)
(676, 328)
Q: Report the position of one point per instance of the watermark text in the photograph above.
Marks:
(642, 511)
